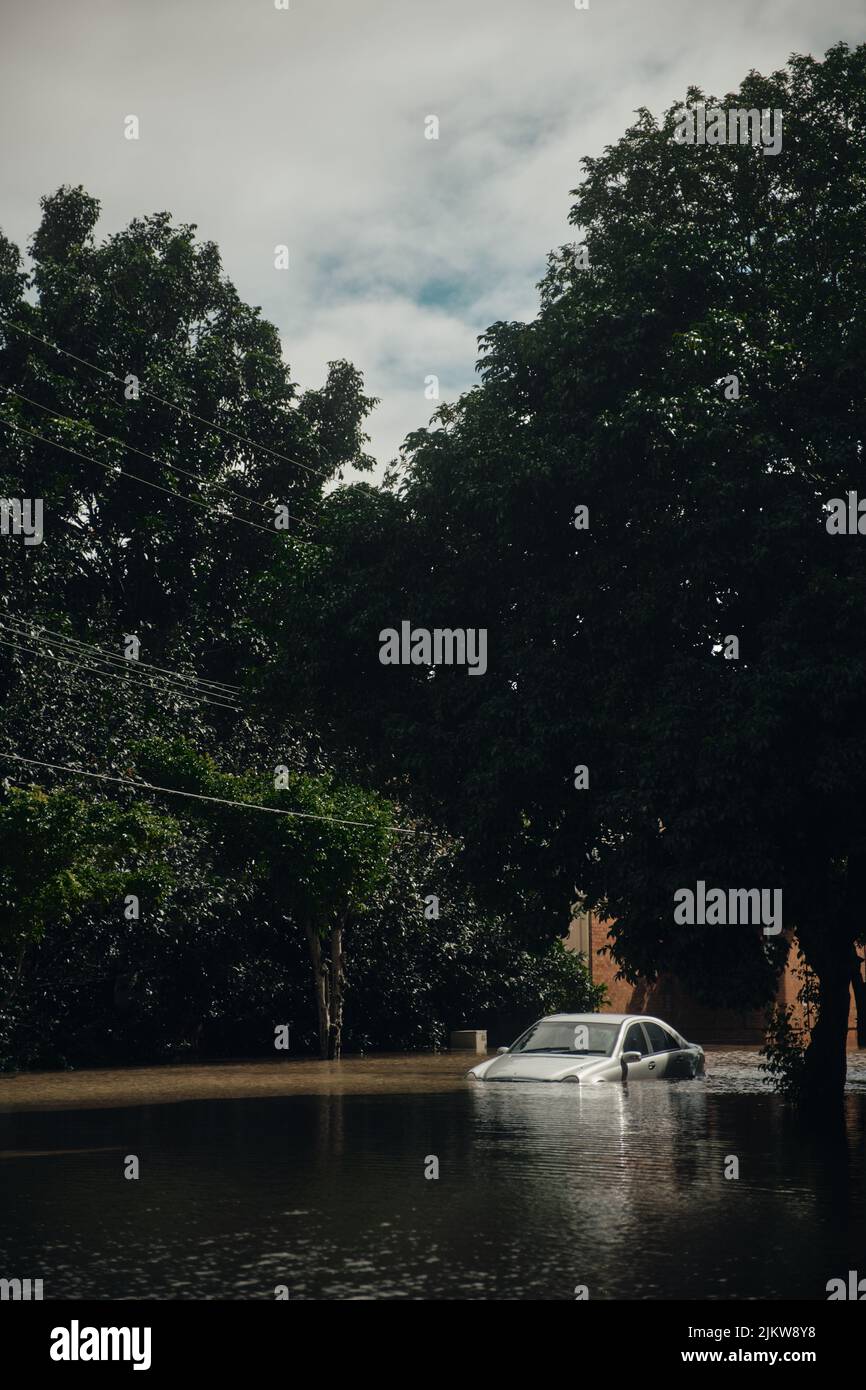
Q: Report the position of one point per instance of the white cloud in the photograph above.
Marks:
(306, 127)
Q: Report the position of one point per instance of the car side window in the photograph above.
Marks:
(635, 1040)
(660, 1040)
(672, 1044)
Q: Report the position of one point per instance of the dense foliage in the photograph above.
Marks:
(152, 413)
(212, 970)
(693, 379)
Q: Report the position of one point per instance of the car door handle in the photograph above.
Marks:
(652, 1066)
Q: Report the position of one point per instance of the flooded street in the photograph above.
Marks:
(313, 1177)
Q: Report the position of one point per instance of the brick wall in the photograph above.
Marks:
(667, 998)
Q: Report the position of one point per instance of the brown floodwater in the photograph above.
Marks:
(53, 1090)
(320, 1178)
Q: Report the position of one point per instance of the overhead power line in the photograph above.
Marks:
(142, 453)
(124, 473)
(141, 681)
(199, 796)
(172, 405)
(148, 679)
(129, 667)
(39, 628)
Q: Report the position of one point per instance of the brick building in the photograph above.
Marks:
(668, 999)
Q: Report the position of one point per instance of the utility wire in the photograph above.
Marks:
(163, 463)
(142, 680)
(94, 366)
(124, 473)
(145, 678)
(199, 796)
(34, 630)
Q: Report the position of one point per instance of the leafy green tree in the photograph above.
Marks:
(317, 860)
(697, 388)
(189, 393)
(59, 854)
(427, 958)
(136, 354)
(210, 967)
(245, 893)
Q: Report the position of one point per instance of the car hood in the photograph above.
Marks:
(537, 1066)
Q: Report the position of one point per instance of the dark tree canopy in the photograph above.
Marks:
(236, 909)
(217, 421)
(707, 518)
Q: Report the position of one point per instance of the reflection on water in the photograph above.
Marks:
(541, 1188)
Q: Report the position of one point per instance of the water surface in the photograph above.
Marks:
(322, 1187)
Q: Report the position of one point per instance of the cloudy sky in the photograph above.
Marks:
(306, 127)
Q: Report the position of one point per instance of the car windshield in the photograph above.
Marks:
(590, 1039)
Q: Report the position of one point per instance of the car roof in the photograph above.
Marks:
(603, 1018)
(588, 1018)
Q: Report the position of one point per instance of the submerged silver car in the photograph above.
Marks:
(588, 1048)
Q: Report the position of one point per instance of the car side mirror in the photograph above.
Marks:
(631, 1057)
(500, 1050)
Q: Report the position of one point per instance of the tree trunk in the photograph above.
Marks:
(335, 1039)
(826, 1062)
(859, 987)
(320, 983)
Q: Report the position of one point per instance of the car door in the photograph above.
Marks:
(635, 1040)
(662, 1048)
(684, 1062)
